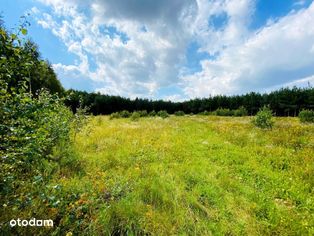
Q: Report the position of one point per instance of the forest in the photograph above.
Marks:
(283, 102)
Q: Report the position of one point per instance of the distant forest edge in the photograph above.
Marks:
(22, 65)
(283, 102)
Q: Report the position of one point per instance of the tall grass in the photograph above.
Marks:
(198, 176)
(192, 175)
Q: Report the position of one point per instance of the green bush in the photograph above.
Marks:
(241, 111)
(143, 113)
(263, 118)
(152, 113)
(115, 115)
(163, 114)
(206, 113)
(33, 123)
(224, 112)
(179, 113)
(135, 116)
(36, 134)
(306, 116)
(30, 130)
(124, 114)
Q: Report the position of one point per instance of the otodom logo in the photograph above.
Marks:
(32, 222)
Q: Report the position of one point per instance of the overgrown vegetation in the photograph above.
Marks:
(241, 111)
(163, 114)
(306, 116)
(223, 112)
(135, 116)
(36, 132)
(179, 113)
(136, 181)
(264, 118)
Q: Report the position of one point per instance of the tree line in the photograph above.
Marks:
(283, 102)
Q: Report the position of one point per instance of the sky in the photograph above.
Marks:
(172, 49)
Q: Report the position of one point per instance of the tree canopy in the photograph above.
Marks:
(20, 62)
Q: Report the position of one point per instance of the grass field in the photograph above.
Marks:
(194, 175)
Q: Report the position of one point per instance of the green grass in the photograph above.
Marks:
(193, 175)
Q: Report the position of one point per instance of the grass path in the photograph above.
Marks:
(196, 176)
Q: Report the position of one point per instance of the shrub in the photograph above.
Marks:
(31, 129)
(152, 113)
(135, 116)
(143, 113)
(179, 113)
(163, 114)
(224, 112)
(115, 115)
(241, 111)
(36, 134)
(306, 116)
(206, 113)
(263, 118)
(124, 114)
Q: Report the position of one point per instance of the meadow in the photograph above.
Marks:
(191, 175)
(148, 174)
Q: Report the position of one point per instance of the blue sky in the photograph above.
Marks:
(176, 49)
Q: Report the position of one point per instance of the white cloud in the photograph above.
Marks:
(136, 66)
(276, 55)
(238, 16)
(135, 48)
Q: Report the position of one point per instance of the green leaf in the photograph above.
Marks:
(24, 31)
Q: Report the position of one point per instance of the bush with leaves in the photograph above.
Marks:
(30, 129)
(241, 111)
(125, 114)
(206, 113)
(306, 116)
(263, 118)
(34, 128)
(179, 113)
(224, 112)
(143, 113)
(31, 124)
(152, 113)
(163, 114)
(35, 136)
(115, 115)
(135, 116)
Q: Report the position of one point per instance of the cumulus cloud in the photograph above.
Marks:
(150, 12)
(279, 54)
(138, 47)
(213, 38)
